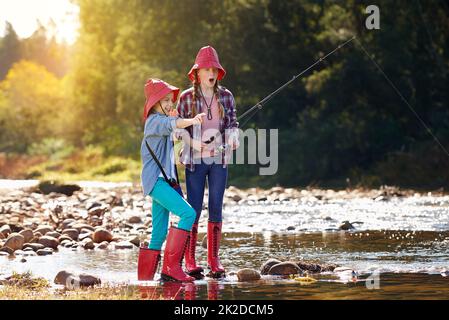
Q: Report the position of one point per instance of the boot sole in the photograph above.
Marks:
(168, 278)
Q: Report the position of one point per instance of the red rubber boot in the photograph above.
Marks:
(191, 267)
(147, 263)
(213, 246)
(174, 251)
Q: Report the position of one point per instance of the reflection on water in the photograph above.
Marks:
(411, 265)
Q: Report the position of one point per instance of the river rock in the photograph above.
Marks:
(2, 236)
(49, 242)
(248, 275)
(43, 230)
(33, 246)
(79, 226)
(72, 281)
(285, 269)
(53, 234)
(27, 234)
(7, 249)
(63, 238)
(44, 252)
(346, 225)
(5, 230)
(72, 233)
(88, 244)
(135, 219)
(3, 253)
(97, 211)
(83, 236)
(101, 235)
(15, 241)
(267, 265)
(47, 187)
(123, 245)
(67, 223)
(103, 245)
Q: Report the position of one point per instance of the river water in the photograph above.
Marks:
(399, 249)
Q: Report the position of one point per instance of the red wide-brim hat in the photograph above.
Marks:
(155, 90)
(207, 57)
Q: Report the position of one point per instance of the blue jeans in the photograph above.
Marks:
(165, 200)
(216, 180)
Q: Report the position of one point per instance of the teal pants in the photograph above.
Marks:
(166, 200)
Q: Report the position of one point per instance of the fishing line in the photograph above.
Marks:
(402, 97)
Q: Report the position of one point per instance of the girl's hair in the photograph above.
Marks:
(197, 95)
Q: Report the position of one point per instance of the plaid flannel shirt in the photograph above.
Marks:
(228, 125)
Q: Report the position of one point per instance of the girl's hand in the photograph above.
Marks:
(198, 145)
(173, 113)
(198, 119)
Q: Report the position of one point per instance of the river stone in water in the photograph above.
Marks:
(267, 265)
(285, 269)
(15, 241)
(72, 281)
(44, 252)
(248, 275)
(27, 234)
(123, 245)
(49, 242)
(72, 233)
(7, 250)
(53, 234)
(101, 235)
(87, 244)
(43, 230)
(33, 246)
(5, 230)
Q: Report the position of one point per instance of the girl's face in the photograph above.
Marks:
(165, 105)
(208, 76)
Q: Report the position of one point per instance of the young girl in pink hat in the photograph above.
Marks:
(204, 156)
(160, 122)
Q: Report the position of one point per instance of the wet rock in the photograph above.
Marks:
(5, 230)
(315, 268)
(79, 226)
(8, 250)
(267, 265)
(88, 244)
(44, 252)
(135, 241)
(43, 230)
(66, 224)
(2, 236)
(103, 245)
(47, 187)
(15, 241)
(3, 253)
(290, 228)
(73, 281)
(346, 225)
(248, 275)
(49, 242)
(64, 238)
(33, 246)
(285, 269)
(27, 234)
(83, 236)
(135, 219)
(101, 235)
(123, 245)
(97, 211)
(72, 233)
(23, 260)
(65, 243)
(53, 234)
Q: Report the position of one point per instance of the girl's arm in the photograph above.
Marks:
(160, 125)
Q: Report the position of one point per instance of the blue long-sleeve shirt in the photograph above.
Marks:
(157, 133)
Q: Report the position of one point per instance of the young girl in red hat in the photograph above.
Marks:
(160, 122)
(206, 154)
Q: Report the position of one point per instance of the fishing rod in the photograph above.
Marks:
(258, 106)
